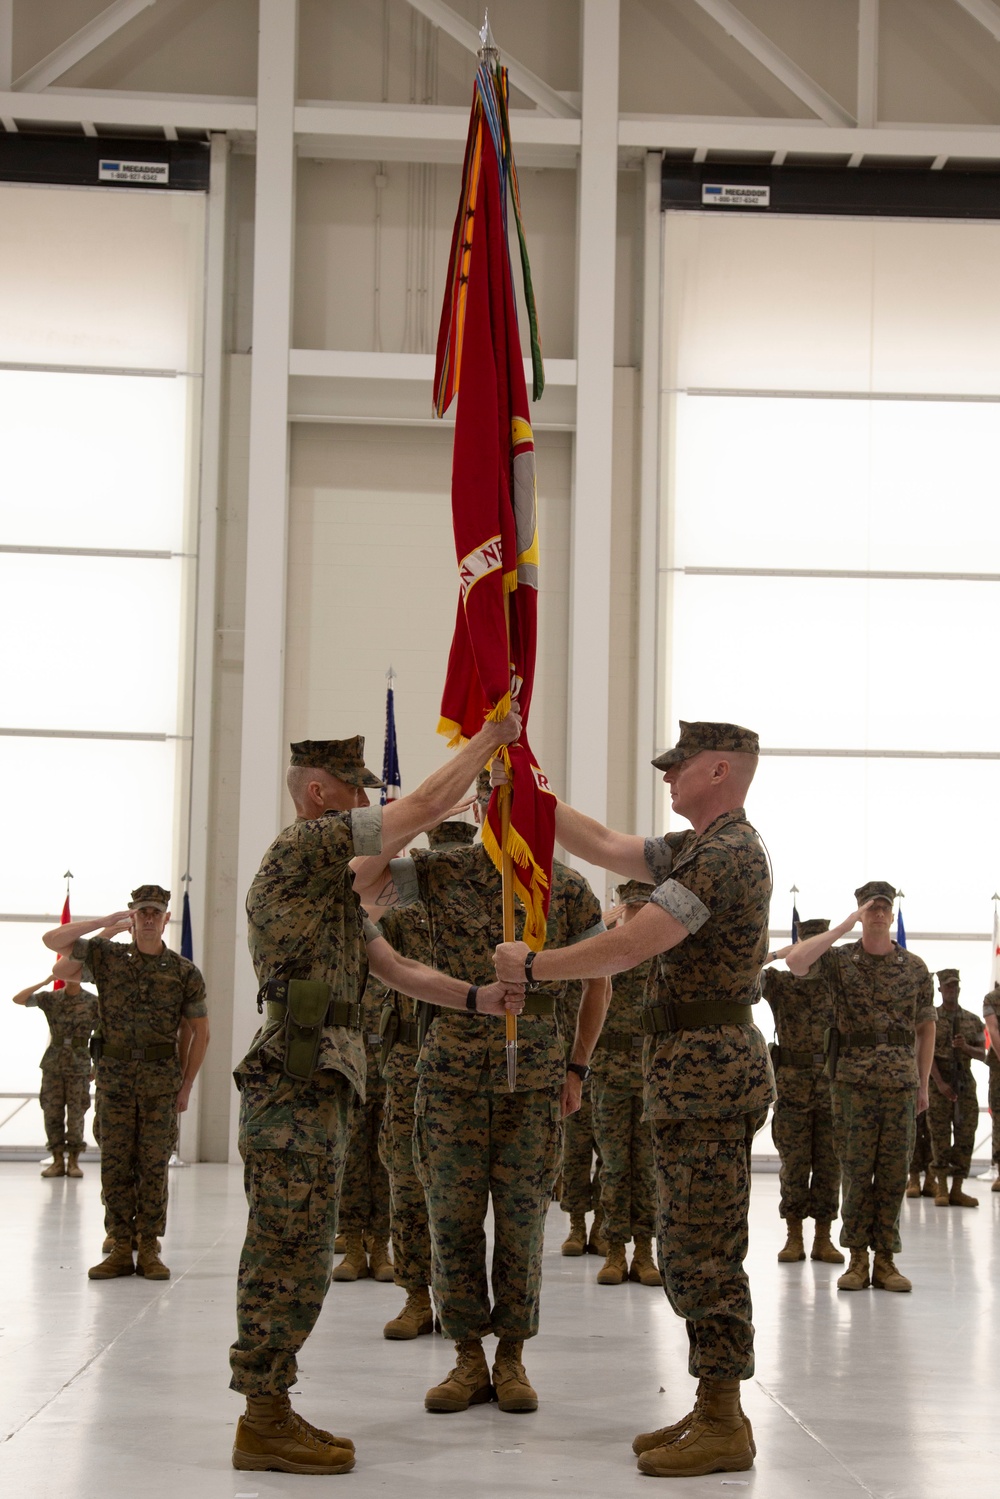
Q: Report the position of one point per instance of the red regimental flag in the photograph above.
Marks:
(494, 511)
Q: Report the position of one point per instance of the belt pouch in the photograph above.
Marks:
(308, 1000)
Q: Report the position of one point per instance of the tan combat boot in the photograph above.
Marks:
(575, 1242)
(109, 1244)
(716, 1440)
(513, 1391)
(666, 1434)
(794, 1249)
(885, 1276)
(467, 1384)
(148, 1262)
(118, 1262)
(57, 1166)
(271, 1437)
(913, 1184)
(642, 1267)
(340, 1244)
(614, 1270)
(958, 1198)
(941, 1198)
(597, 1243)
(380, 1266)
(823, 1247)
(354, 1265)
(856, 1276)
(73, 1164)
(415, 1318)
(929, 1188)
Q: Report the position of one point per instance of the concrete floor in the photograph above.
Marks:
(119, 1388)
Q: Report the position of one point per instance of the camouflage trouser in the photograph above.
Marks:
(810, 1171)
(923, 1150)
(581, 1191)
(873, 1130)
(364, 1196)
(628, 1181)
(293, 1140)
(137, 1136)
(703, 1187)
(468, 1148)
(64, 1101)
(995, 1111)
(411, 1235)
(953, 1144)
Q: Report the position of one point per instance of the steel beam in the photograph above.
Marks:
(647, 574)
(778, 63)
(262, 756)
(6, 44)
(81, 43)
(444, 18)
(590, 537)
(868, 63)
(73, 106)
(986, 12)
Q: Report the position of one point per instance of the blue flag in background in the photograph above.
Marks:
(796, 918)
(900, 928)
(187, 937)
(393, 787)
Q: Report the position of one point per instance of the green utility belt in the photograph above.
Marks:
(863, 1040)
(305, 1007)
(620, 1041)
(657, 1019)
(78, 1043)
(159, 1052)
(786, 1058)
(538, 1004)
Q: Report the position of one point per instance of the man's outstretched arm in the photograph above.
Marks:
(621, 853)
(420, 981)
(425, 807)
(653, 930)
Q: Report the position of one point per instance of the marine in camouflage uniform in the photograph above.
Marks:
(305, 1073)
(991, 1012)
(802, 1125)
(579, 1180)
(708, 1078)
(958, 1041)
(474, 1141)
(144, 992)
(364, 1194)
(407, 930)
(883, 1004)
(64, 1095)
(624, 1138)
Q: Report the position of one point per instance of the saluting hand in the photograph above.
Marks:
(118, 921)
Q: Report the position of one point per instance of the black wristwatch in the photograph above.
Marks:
(470, 998)
(581, 1071)
(529, 963)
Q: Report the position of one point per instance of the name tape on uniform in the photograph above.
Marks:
(734, 195)
(156, 172)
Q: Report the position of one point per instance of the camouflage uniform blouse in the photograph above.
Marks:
(970, 1028)
(717, 885)
(879, 992)
(71, 1022)
(991, 1006)
(305, 921)
(408, 932)
(141, 1000)
(462, 895)
(803, 1013)
(623, 1023)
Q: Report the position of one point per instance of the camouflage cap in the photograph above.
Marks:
(343, 758)
(634, 893)
(452, 834)
(695, 737)
(947, 976)
(150, 895)
(875, 890)
(813, 926)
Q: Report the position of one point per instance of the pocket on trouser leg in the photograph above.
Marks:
(290, 1195)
